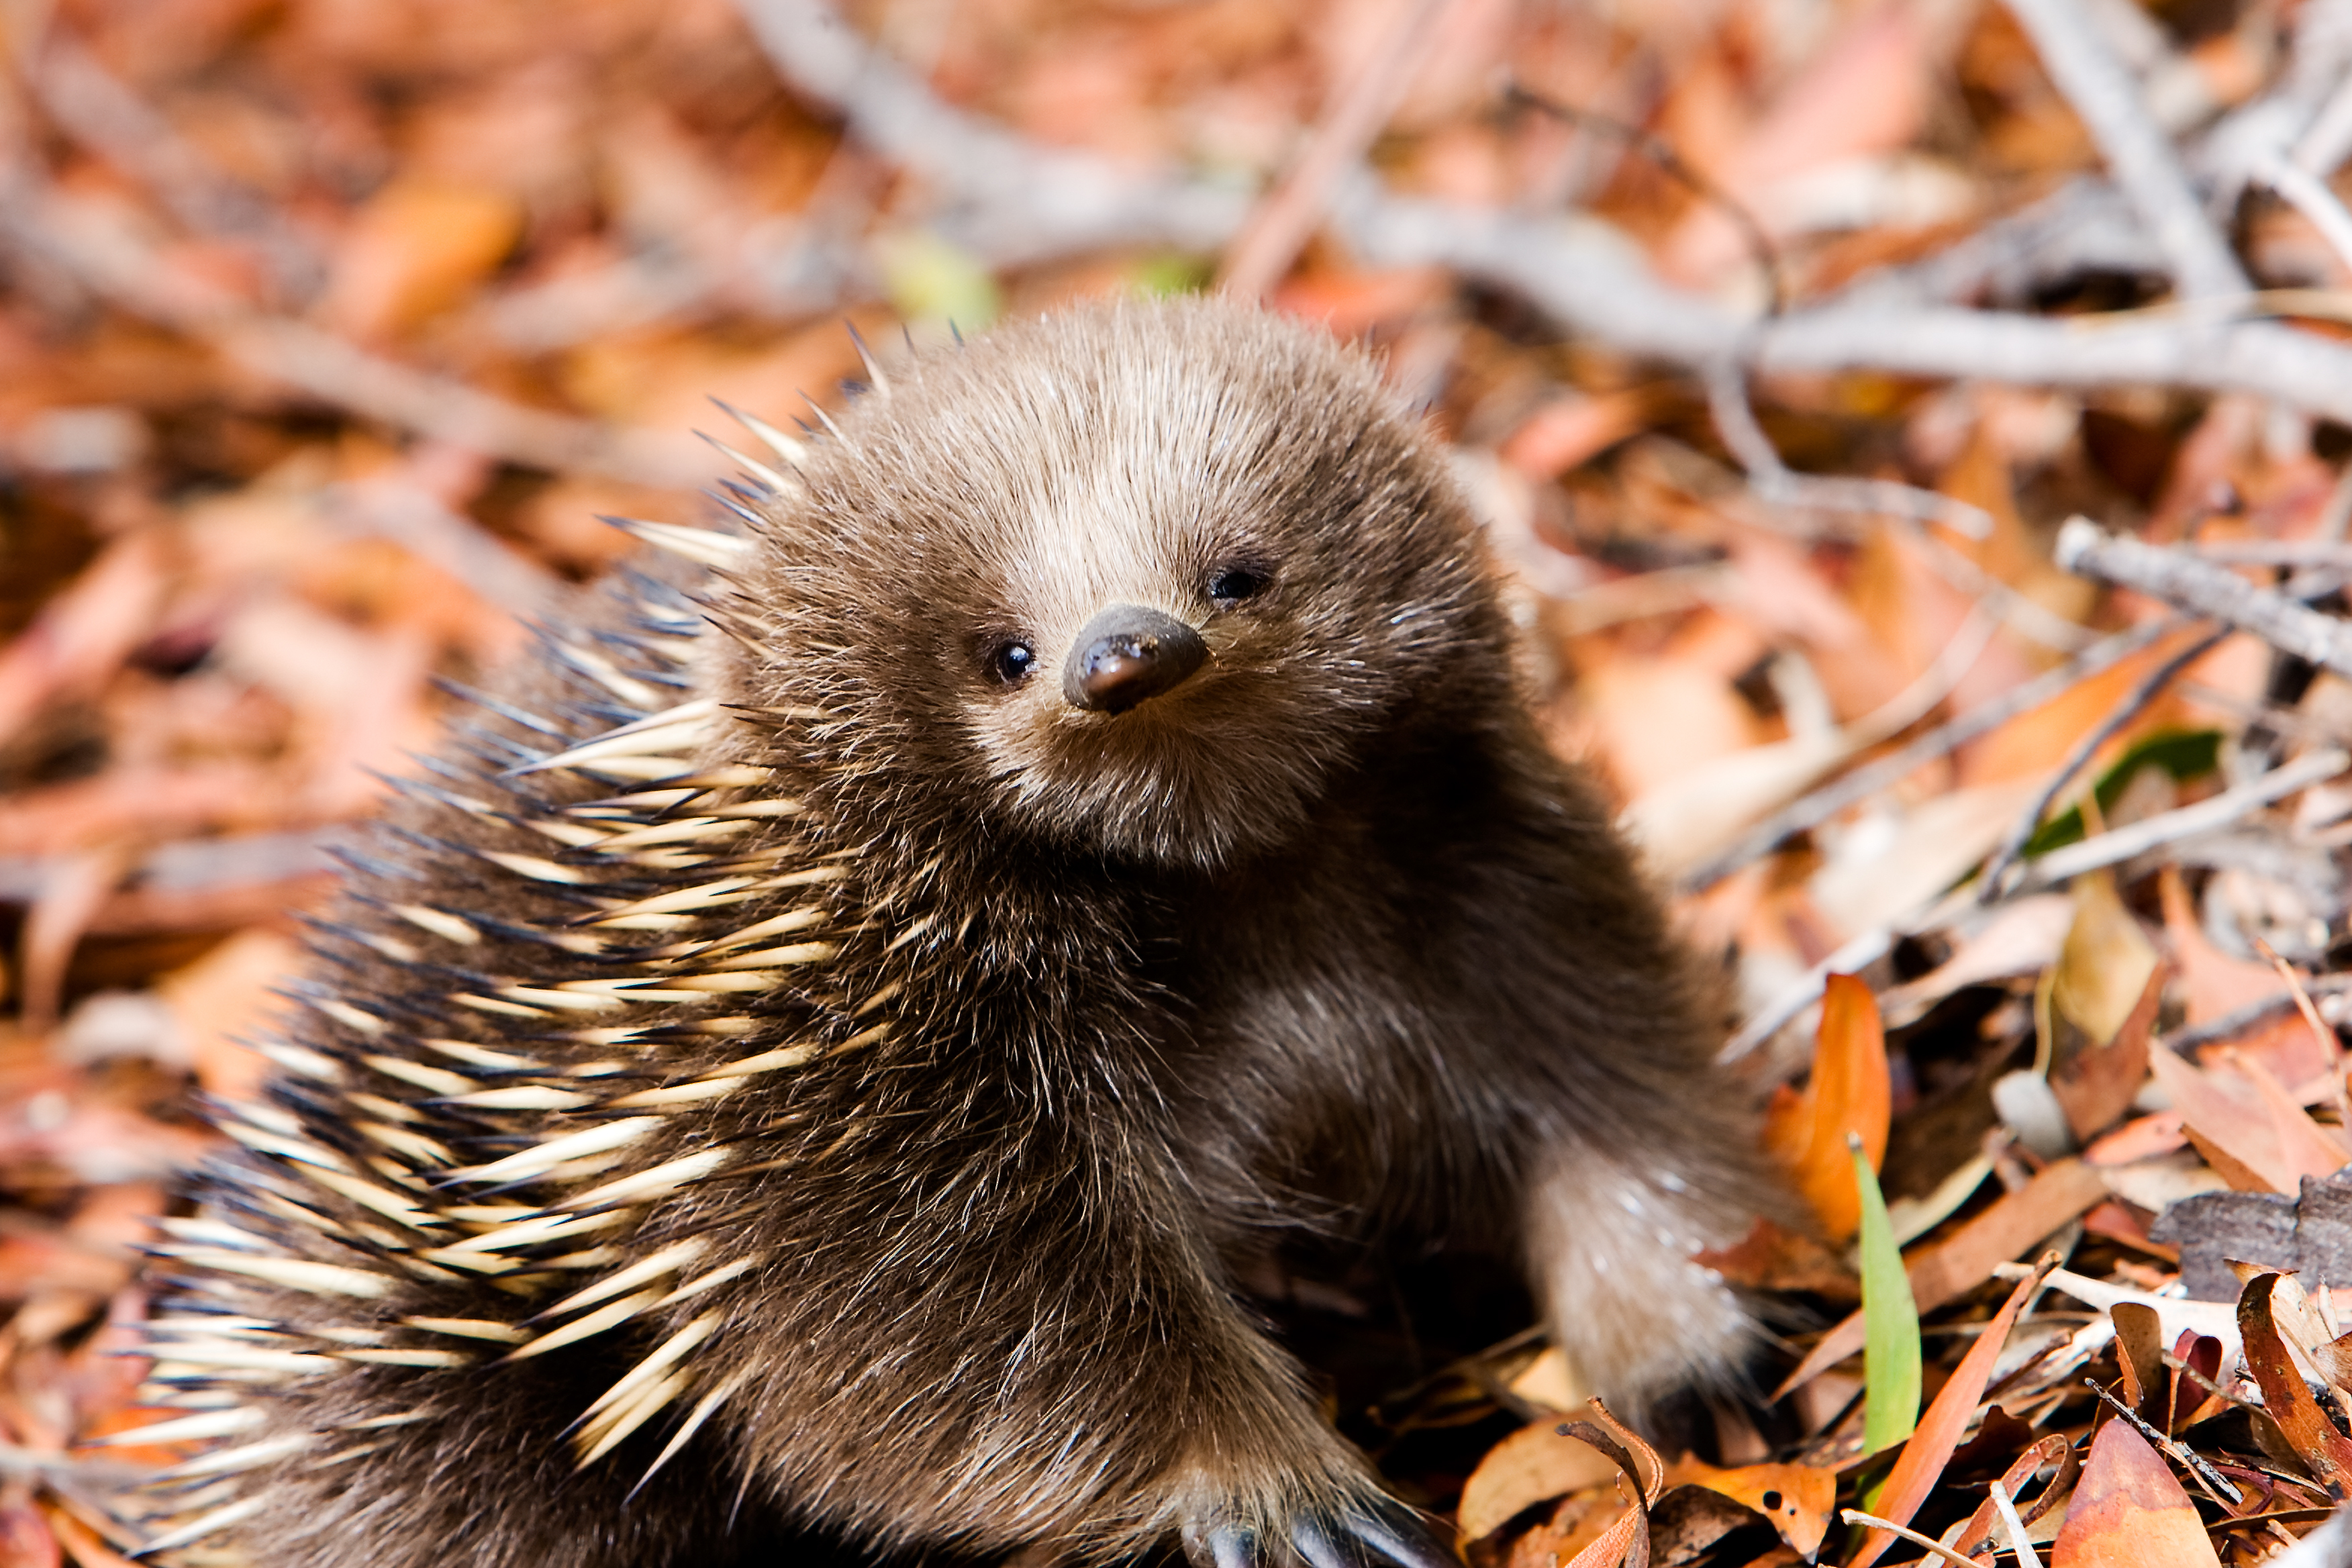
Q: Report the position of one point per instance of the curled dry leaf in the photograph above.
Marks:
(2105, 962)
(2285, 1396)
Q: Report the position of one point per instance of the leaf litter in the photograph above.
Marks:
(329, 331)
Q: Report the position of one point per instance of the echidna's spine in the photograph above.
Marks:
(555, 961)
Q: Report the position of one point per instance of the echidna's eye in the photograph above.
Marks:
(1011, 662)
(1232, 584)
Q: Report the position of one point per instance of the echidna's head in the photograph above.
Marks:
(1144, 580)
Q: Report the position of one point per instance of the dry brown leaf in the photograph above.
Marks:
(2267, 1135)
(1525, 1469)
(2129, 1513)
(2105, 962)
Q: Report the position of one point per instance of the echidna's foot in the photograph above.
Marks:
(1358, 1536)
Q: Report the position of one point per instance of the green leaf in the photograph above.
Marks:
(2184, 753)
(1890, 1321)
(929, 279)
(1170, 273)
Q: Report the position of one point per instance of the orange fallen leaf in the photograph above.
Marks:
(2129, 1513)
(1800, 1499)
(1850, 1092)
(414, 249)
(1571, 429)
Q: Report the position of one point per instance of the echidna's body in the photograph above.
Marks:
(830, 1062)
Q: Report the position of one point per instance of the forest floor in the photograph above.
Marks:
(1918, 434)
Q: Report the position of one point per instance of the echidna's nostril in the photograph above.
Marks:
(1128, 653)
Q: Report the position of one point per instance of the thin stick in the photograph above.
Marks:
(1735, 420)
(2309, 195)
(1683, 171)
(1855, 1516)
(296, 354)
(2165, 827)
(2320, 1032)
(2212, 1479)
(1811, 810)
(1990, 885)
(2101, 89)
(2180, 578)
(2013, 1527)
(2242, 1021)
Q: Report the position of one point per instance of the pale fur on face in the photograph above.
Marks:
(1123, 455)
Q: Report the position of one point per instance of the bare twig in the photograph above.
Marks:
(2219, 1485)
(1933, 1547)
(2014, 1527)
(1735, 421)
(2308, 194)
(1009, 200)
(1005, 198)
(1858, 953)
(1992, 884)
(1267, 243)
(1822, 803)
(2166, 827)
(2180, 578)
(1774, 481)
(2102, 91)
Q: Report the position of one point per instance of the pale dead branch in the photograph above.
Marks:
(2180, 578)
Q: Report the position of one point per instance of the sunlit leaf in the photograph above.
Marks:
(929, 279)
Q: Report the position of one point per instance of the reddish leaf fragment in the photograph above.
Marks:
(25, 1539)
(1769, 1258)
(2095, 1084)
(2129, 1513)
(2201, 1354)
(2249, 1122)
(1627, 1541)
(2056, 1451)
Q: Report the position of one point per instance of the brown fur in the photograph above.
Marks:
(1323, 936)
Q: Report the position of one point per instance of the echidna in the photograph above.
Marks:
(806, 1060)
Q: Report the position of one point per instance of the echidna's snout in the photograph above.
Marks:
(1127, 653)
